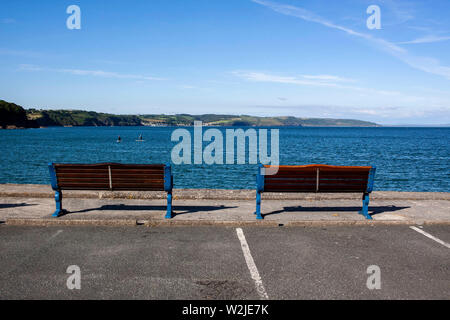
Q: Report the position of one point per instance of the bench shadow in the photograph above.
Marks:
(177, 210)
(15, 205)
(373, 210)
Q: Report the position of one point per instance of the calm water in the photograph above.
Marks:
(407, 159)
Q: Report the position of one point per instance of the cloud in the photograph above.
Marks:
(7, 20)
(327, 78)
(93, 73)
(29, 67)
(265, 77)
(308, 80)
(383, 114)
(106, 74)
(20, 53)
(401, 10)
(427, 39)
(425, 64)
(187, 86)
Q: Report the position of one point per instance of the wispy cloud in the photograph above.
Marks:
(93, 73)
(20, 53)
(308, 80)
(106, 74)
(383, 114)
(7, 20)
(427, 39)
(327, 78)
(30, 67)
(187, 86)
(429, 65)
(402, 11)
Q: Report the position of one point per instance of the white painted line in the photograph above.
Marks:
(251, 265)
(55, 235)
(445, 244)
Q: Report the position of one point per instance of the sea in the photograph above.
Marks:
(407, 159)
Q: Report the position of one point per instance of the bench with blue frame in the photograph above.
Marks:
(110, 177)
(316, 179)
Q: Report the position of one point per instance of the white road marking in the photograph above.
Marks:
(445, 244)
(251, 265)
(55, 235)
(35, 253)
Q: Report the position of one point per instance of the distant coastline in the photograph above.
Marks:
(13, 116)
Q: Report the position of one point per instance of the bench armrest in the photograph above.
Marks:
(168, 178)
(260, 179)
(371, 180)
(53, 179)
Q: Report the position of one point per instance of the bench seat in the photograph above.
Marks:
(110, 177)
(316, 178)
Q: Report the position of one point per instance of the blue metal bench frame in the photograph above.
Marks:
(260, 179)
(168, 187)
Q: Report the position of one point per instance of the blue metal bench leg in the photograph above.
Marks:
(365, 208)
(58, 198)
(258, 206)
(169, 206)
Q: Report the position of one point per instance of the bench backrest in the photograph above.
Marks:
(111, 176)
(318, 179)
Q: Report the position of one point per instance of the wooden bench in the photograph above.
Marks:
(316, 179)
(111, 177)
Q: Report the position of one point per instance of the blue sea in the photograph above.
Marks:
(407, 159)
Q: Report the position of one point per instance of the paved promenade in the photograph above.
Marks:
(34, 204)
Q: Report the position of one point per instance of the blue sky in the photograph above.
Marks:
(306, 58)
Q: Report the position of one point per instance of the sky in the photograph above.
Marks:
(303, 58)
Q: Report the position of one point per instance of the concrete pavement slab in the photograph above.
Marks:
(126, 211)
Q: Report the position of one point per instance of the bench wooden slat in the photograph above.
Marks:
(101, 188)
(106, 170)
(115, 165)
(138, 183)
(82, 170)
(136, 171)
(83, 175)
(82, 180)
(106, 176)
(288, 179)
(321, 167)
(312, 188)
(321, 185)
(85, 186)
(322, 174)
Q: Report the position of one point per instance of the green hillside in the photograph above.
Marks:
(78, 118)
(251, 121)
(14, 116)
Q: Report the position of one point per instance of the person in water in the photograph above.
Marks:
(119, 139)
(140, 137)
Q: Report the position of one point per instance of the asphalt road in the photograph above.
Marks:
(209, 262)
